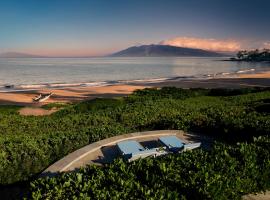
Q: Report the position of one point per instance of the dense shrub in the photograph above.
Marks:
(225, 172)
(30, 144)
(253, 55)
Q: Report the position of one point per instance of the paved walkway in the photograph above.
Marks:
(105, 150)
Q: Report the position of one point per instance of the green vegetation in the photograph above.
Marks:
(30, 144)
(254, 55)
(55, 106)
(7, 109)
(225, 172)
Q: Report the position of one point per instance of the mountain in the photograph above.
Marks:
(164, 50)
(18, 55)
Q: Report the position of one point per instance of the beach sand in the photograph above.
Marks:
(69, 94)
(75, 94)
(256, 75)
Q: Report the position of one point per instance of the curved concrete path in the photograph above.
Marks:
(89, 153)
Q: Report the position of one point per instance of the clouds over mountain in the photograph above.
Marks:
(204, 43)
(266, 45)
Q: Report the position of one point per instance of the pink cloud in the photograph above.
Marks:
(266, 45)
(204, 43)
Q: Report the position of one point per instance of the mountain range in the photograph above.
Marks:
(139, 51)
(164, 50)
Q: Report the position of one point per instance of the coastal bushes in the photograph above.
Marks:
(30, 144)
(224, 172)
(253, 55)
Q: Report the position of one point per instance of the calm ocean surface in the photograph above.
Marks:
(33, 72)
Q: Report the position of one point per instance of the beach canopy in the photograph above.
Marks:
(173, 143)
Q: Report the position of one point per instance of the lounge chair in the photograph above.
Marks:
(191, 146)
(133, 150)
(172, 143)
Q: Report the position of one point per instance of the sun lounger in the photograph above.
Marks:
(128, 147)
(191, 146)
(172, 143)
(143, 154)
(133, 150)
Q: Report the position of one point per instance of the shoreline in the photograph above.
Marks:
(264, 74)
(244, 73)
(80, 93)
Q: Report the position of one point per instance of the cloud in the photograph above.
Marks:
(266, 45)
(204, 43)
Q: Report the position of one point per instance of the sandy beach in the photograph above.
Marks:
(256, 75)
(75, 94)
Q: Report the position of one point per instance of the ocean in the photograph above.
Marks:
(31, 73)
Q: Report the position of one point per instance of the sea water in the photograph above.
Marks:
(27, 73)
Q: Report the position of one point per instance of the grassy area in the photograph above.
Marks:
(29, 144)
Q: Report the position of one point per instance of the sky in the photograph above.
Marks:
(100, 27)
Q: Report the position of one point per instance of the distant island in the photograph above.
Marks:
(164, 50)
(18, 55)
(253, 56)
